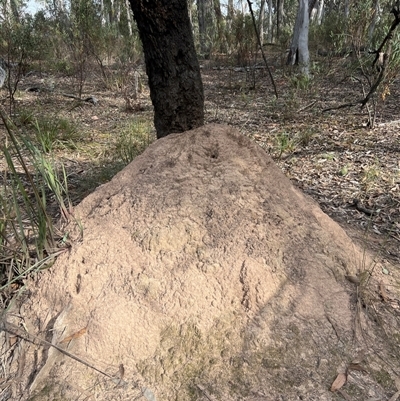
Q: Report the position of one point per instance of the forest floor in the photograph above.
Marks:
(350, 170)
(332, 156)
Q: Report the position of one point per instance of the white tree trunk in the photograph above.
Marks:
(320, 12)
(118, 14)
(244, 6)
(270, 25)
(304, 56)
(129, 16)
(298, 53)
(261, 21)
(102, 13)
(279, 17)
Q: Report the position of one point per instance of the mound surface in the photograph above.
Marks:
(202, 273)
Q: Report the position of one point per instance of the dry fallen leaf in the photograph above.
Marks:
(12, 340)
(78, 334)
(339, 382)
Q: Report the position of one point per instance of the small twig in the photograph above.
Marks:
(307, 106)
(343, 106)
(203, 390)
(261, 47)
(360, 208)
(382, 73)
(15, 330)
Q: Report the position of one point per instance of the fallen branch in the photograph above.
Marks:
(15, 330)
(89, 99)
(343, 106)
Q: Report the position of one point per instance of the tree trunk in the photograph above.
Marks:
(230, 13)
(201, 16)
(176, 89)
(270, 22)
(298, 53)
(261, 21)
(117, 22)
(102, 14)
(129, 18)
(220, 28)
(320, 12)
(311, 6)
(279, 17)
(111, 11)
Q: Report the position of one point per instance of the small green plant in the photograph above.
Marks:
(27, 234)
(63, 66)
(300, 82)
(305, 137)
(133, 140)
(284, 144)
(344, 170)
(370, 175)
(54, 132)
(328, 156)
(26, 118)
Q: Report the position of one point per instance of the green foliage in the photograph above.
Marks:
(284, 143)
(15, 46)
(305, 136)
(244, 38)
(65, 67)
(133, 140)
(344, 170)
(55, 132)
(300, 82)
(394, 61)
(27, 234)
(370, 174)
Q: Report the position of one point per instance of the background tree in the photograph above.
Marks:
(298, 52)
(172, 67)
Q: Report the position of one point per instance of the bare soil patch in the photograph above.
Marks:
(203, 273)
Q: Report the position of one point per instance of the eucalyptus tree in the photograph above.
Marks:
(176, 88)
(298, 52)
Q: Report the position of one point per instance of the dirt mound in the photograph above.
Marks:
(202, 273)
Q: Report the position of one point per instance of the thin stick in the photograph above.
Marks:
(13, 329)
(261, 48)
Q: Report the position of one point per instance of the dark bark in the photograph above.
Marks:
(172, 67)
